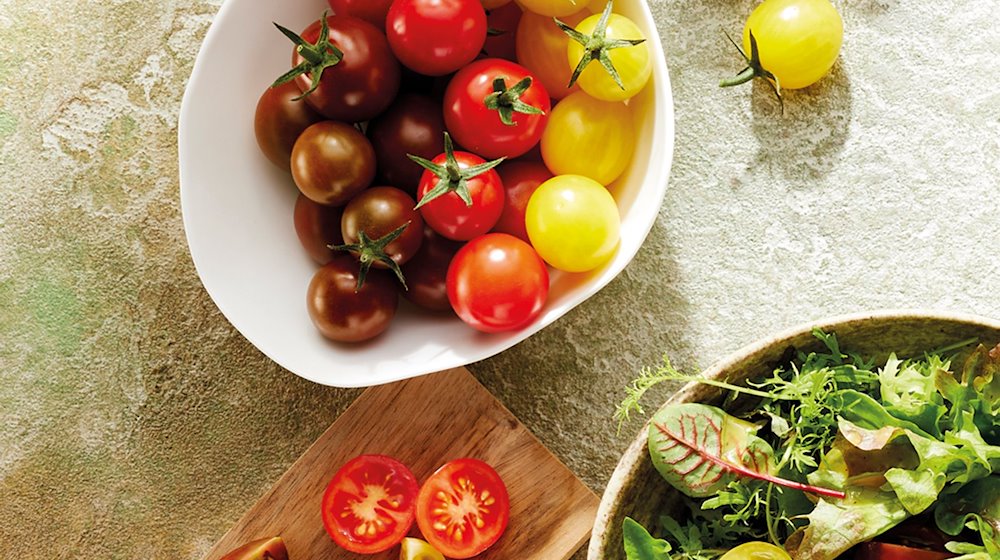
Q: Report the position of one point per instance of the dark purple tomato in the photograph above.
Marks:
(344, 312)
(378, 211)
(279, 120)
(359, 86)
(332, 162)
(413, 125)
(372, 11)
(427, 272)
(317, 226)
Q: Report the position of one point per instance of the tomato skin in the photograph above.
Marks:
(756, 551)
(497, 282)
(494, 4)
(372, 11)
(317, 226)
(479, 128)
(798, 40)
(414, 125)
(467, 478)
(589, 137)
(377, 211)
(503, 19)
(343, 313)
(361, 85)
(633, 63)
(331, 162)
(279, 120)
(427, 272)
(553, 8)
(416, 549)
(886, 551)
(436, 37)
(573, 223)
(520, 179)
(541, 47)
(365, 476)
(261, 549)
(449, 215)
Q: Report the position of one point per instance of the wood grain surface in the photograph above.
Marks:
(425, 422)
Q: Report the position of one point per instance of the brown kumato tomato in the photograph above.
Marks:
(341, 310)
(278, 122)
(331, 162)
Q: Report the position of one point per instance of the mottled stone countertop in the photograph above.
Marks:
(135, 422)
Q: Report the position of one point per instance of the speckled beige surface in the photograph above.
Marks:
(136, 423)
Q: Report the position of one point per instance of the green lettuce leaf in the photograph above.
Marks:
(640, 545)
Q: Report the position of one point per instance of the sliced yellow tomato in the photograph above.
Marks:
(756, 551)
(416, 549)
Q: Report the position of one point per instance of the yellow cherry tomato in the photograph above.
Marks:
(553, 8)
(573, 223)
(541, 48)
(797, 40)
(756, 551)
(589, 137)
(633, 63)
(416, 549)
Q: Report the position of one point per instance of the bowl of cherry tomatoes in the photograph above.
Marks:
(378, 189)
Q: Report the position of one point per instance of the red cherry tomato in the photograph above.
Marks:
(355, 88)
(463, 508)
(344, 312)
(501, 31)
(449, 177)
(496, 108)
(427, 272)
(317, 226)
(497, 283)
(369, 504)
(279, 120)
(436, 37)
(372, 11)
(520, 179)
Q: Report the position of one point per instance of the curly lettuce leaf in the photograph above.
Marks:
(975, 506)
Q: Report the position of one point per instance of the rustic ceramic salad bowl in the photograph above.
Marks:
(637, 490)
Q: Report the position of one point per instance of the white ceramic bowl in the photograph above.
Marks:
(237, 211)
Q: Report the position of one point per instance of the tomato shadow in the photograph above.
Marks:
(804, 140)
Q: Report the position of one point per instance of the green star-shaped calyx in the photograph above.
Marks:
(317, 56)
(451, 176)
(597, 45)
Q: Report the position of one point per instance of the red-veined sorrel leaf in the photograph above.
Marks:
(699, 449)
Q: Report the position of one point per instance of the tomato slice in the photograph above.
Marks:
(463, 508)
(369, 504)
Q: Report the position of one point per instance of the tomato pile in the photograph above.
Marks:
(372, 501)
(451, 151)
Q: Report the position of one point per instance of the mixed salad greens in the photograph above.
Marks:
(828, 452)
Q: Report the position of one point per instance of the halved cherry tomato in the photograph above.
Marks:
(496, 108)
(589, 137)
(463, 508)
(520, 179)
(502, 31)
(756, 551)
(497, 283)
(632, 63)
(460, 194)
(279, 120)
(369, 504)
(541, 48)
(317, 227)
(350, 74)
(573, 223)
(436, 37)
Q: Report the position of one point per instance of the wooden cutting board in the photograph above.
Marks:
(425, 422)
